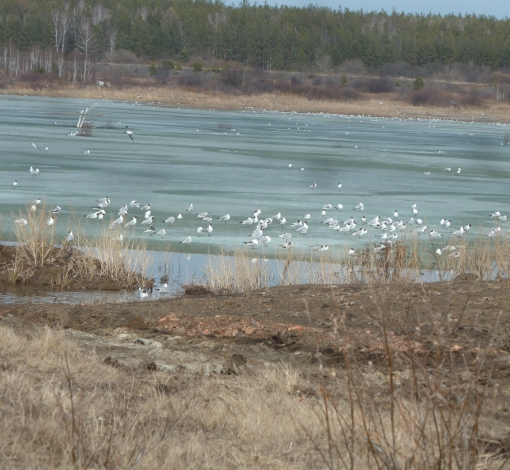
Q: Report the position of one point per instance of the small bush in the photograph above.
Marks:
(152, 69)
(197, 66)
(418, 83)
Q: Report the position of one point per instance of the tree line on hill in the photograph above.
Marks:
(67, 36)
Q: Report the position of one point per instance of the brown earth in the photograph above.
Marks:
(299, 325)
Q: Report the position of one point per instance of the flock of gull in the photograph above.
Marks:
(386, 230)
(260, 231)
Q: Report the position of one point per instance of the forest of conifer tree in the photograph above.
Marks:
(53, 35)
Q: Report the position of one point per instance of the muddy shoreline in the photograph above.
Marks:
(289, 319)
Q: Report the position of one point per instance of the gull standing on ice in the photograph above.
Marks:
(190, 208)
(209, 229)
(131, 223)
(265, 239)
(186, 241)
(459, 232)
(224, 218)
(161, 232)
(70, 236)
(313, 185)
(253, 243)
(169, 220)
(117, 221)
(147, 221)
(14, 184)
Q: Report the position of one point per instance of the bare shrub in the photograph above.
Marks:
(317, 80)
(381, 85)
(397, 69)
(190, 79)
(232, 76)
(297, 79)
(424, 404)
(471, 100)
(352, 67)
(430, 97)
(85, 130)
(123, 56)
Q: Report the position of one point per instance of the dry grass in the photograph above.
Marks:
(102, 256)
(36, 240)
(125, 262)
(185, 98)
(62, 408)
(405, 262)
(428, 407)
(420, 405)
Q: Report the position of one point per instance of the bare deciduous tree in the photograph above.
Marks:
(99, 13)
(143, 11)
(35, 58)
(111, 37)
(62, 23)
(85, 43)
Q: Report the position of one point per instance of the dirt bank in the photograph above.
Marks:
(63, 269)
(299, 325)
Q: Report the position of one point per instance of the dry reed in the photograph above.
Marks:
(405, 262)
(101, 256)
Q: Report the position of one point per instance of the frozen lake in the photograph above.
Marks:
(237, 162)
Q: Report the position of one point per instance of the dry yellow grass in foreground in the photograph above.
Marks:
(188, 98)
(63, 408)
